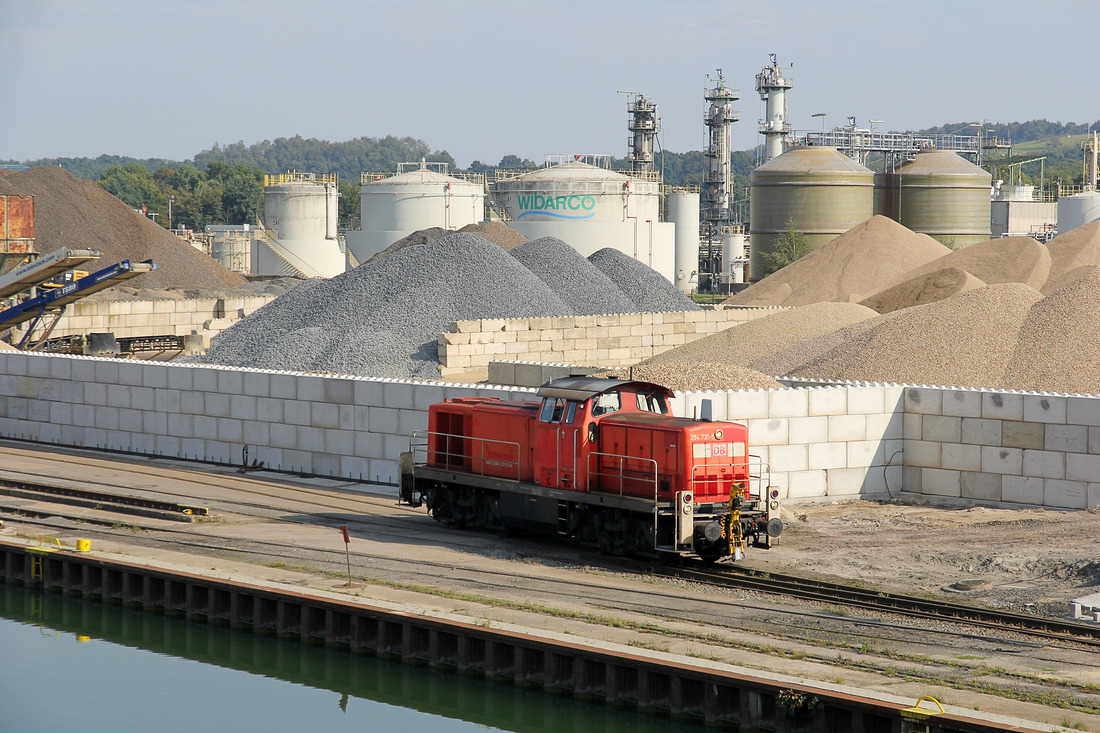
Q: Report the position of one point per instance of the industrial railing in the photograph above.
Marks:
(454, 454)
(629, 469)
(297, 177)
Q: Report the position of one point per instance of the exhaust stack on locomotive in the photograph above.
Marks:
(598, 460)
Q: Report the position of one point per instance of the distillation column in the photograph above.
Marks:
(718, 184)
(773, 86)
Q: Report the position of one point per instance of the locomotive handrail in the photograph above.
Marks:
(621, 475)
(762, 468)
(418, 444)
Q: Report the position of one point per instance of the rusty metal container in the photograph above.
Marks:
(16, 230)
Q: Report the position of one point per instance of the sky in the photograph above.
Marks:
(483, 79)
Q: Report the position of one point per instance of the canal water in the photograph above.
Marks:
(85, 667)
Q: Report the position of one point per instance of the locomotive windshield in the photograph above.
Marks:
(652, 402)
(607, 402)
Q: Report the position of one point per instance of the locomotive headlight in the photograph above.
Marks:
(718, 434)
(687, 508)
(775, 504)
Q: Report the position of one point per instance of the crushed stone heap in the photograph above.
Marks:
(69, 212)
(922, 289)
(649, 290)
(868, 257)
(1003, 260)
(576, 280)
(383, 318)
(1073, 255)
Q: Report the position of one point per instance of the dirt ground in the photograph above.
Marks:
(1033, 560)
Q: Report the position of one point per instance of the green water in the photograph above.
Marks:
(73, 665)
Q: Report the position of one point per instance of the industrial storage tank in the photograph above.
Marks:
(1077, 210)
(420, 196)
(300, 227)
(823, 192)
(940, 194)
(683, 211)
(591, 207)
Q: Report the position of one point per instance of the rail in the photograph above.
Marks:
(454, 455)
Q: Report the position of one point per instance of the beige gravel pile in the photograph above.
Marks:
(697, 375)
(1059, 343)
(923, 289)
(967, 340)
(1004, 260)
(78, 214)
(498, 233)
(868, 257)
(744, 344)
(1073, 254)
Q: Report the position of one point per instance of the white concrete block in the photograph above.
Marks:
(393, 445)
(296, 412)
(256, 433)
(118, 395)
(181, 426)
(310, 388)
(143, 443)
(981, 486)
(154, 376)
(995, 459)
(192, 403)
(748, 405)
(398, 395)
(1002, 406)
(119, 440)
(368, 393)
(354, 467)
(205, 427)
(230, 430)
(1022, 489)
(787, 457)
(324, 415)
(1045, 408)
(167, 446)
(60, 413)
(131, 373)
(154, 423)
(106, 418)
(1093, 498)
(339, 390)
(83, 370)
(912, 426)
(940, 482)
(339, 442)
(864, 453)
(887, 426)
(268, 409)
(922, 453)
(384, 471)
(867, 400)
(1067, 438)
(426, 395)
(1044, 464)
(961, 403)
(977, 431)
(828, 455)
(38, 411)
(83, 416)
(1083, 410)
(809, 429)
(806, 484)
(1081, 467)
(215, 404)
(961, 457)
(284, 436)
(1065, 494)
(256, 384)
(383, 420)
(284, 386)
(409, 421)
(942, 429)
(767, 432)
(205, 380)
(847, 482)
(788, 403)
(847, 427)
(179, 377)
(326, 464)
(143, 398)
(130, 420)
(827, 401)
(923, 400)
(451, 392)
(242, 407)
(230, 381)
(166, 400)
(60, 368)
(369, 445)
(297, 460)
(347, 417)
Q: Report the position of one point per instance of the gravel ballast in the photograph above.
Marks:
(650, 291)
(576, 280)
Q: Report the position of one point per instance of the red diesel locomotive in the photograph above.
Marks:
(598, 460)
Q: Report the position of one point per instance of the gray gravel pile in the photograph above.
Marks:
(967, 340)
(744, 344)
(649, 290)
(576, 280)
(417, 238)
(1059, 342)
(383, 318)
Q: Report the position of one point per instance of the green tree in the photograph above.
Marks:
(135, 186)
(791, 246)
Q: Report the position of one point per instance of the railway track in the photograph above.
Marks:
(924, 608)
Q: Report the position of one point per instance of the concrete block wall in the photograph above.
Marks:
(617, 339)
(1013, 447)
(126, 318)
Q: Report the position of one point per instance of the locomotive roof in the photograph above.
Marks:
(581, 388)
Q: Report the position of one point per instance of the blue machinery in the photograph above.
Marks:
(51, 304)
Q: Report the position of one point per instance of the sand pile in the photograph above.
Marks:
(496, 232)
(745, 344)
(1072, 255)
(79, 214)
(862, 261)
(967, 340)
(1059, 343)
(1004, 260)
(923, 289)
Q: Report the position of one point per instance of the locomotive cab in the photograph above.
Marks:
(599, 460)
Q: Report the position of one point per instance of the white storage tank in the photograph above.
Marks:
(300, 227)
(421, 196)
(733, 254)
(1077, 210)
(683, 211)
(590, 207)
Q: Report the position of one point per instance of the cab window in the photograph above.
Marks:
(606, 403)
(571, 412)
(553, 409)
(652, 402)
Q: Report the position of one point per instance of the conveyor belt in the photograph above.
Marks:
(44, 268)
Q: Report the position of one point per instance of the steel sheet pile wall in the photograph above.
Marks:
(839, 441)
